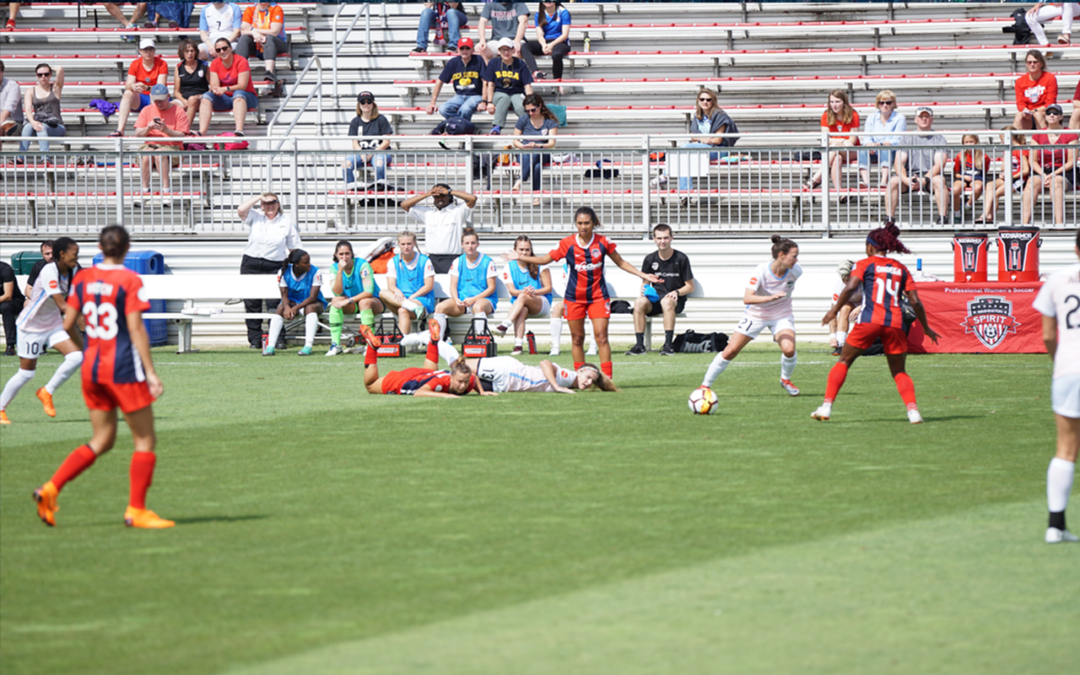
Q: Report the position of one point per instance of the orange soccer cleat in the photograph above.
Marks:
(145, 518)
(3, 418)
(434, 330)
(45, 496)
(46, 401)
(370, 336)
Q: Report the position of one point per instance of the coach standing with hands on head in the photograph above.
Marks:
(273, 235)
(443, 223)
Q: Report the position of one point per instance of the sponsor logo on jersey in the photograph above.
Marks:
(990, 318)
(753, 281)
(52, 284)
(655, 266)
(588, 267)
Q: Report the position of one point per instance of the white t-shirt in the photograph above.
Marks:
(429, 269)
(856, 295)
(442, 229)
(271, 239)
(219, 24)
(41, 315)
(491, 271)
(507, 374)
(764, 282)
(1060, 297)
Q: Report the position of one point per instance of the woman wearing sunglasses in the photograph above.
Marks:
(273, 236)
(1053, 168)
(880, 129)
(708, 118)
(1035, 90)
(41, 107)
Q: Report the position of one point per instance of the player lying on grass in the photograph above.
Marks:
(882, 280)
(423, 382)
(503, 374)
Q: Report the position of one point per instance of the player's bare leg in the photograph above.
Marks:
(904, 385)
(788, 359)
(1059, 478)
(577, 341)
(836, 380)
(603, 347)
(141, 423)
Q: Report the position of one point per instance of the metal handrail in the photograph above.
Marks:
(366, 13)
(317, 62)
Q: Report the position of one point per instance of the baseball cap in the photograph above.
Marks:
(365, 96)
(1055, 108)
(924, 109)
(147, 43)
(504, 42)
(465, 42)
(159, 91)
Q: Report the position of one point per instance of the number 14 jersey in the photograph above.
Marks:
(105, 295)
(883, 279)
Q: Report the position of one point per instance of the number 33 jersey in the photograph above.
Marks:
(1060, 298)
(883, 279)
(105, 295)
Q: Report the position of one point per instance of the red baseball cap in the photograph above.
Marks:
(465, 42)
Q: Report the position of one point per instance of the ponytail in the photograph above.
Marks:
(887, 239)
(294, 257)
(781, 245)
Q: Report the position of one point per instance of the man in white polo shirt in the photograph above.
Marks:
(273, 236)
(442, 222)
(218, 20)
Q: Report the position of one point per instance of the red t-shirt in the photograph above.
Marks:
(1018, 162)
(840, 126)
(585, 279)
(1052, 159)
(175, 118)
(1076, 94)
(1032, 94)
(230, 76)
(882, 281)
(964, 164)
(106, 294)
(149, 77)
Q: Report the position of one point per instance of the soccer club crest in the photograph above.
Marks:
(990, 318)
(595, 252)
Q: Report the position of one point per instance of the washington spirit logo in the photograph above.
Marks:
(990, 317)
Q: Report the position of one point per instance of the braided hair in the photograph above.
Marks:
(887, 239)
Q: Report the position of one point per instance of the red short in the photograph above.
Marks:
(128, 397)
(598, 309)
(864, 334)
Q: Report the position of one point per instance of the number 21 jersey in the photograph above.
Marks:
(882, 279)
(105, 295)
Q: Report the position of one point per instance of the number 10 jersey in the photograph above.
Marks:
(105, 295)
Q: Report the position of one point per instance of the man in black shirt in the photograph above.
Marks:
(46, 258)
(11, 303)
(673, 267)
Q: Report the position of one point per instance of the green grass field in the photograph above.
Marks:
(324, 530)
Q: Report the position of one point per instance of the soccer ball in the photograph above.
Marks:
(703, 401)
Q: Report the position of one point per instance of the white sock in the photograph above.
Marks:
(518, 343)
(555, 328)
(276, 324)
(1059, 480)
(311, 324)
(719, 364)
(841, 337)
(11, 389)
(416, 339)
(441, 318)
(447, 352)
(71, 364)
(787, 366)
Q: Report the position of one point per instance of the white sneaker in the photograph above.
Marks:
(592, 350)
(789, 387)
(1056, 536)
(334, 350)
(500, 330)
(554, 351)
(914, 417)
(823, 413)
(416, 339)
(659, 181)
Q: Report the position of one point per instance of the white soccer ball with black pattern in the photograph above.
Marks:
(703, 401)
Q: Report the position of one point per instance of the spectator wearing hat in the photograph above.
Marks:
(443, 223)
(272, 238)
(507, 80)
(463, 72)
(146, 71)
(231, 88)
(1035, 90)
(439, 14)
(262, 31)
(368, 122)
(219, 20)
(920, 169)
(1053, 168)
(508, 21)
(11, 112)
(161, 119)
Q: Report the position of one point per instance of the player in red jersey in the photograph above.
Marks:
(116, 372)
(586, 290)
(420, 382)
(882, 280)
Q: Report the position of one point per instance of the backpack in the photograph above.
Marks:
(692, 342)
(1022, 34)
(240, 145)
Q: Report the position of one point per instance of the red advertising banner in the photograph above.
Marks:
(979, 318)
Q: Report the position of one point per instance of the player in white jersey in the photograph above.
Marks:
(502, 374)
(1059, 303)
(838, 327)
(41, 325)
(768, 305)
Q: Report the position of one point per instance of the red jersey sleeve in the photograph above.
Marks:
(909, 281)
(607, 245)
(859, 270)
(560, 251)
(136, 293)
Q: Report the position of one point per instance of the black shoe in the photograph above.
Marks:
(668, 350)
(254, 346)
(636, 350)
(419, 50)
(836, 351)
(10, 351)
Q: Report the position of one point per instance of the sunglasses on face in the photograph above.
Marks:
(221, 50)
(44, 74)
(266, 204)
(1054, 112)
(460, 48)
(366, 102)
(705, 100)
(887, 103)
(532, 110)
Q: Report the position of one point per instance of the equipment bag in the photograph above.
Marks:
(694, 342)
(479, 344)
(390, 335)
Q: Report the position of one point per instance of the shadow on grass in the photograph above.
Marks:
(218, 519)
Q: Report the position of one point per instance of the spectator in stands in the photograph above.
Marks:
(1052, 169)
(143, 73)
(708, 118)
(171, 15)
(839, 117)
(231, 88)
(263, 28)
(472, 284)
(191, 79)
(410, 283)
(666, 298)
(969, 171)
(41, 107)
(110, 7)
(1035, 90)
(13, 11)
(508, 21)
(161, 119)
(1045, 12)
(11, 112)
(368, 122)
(920, 169)
(463, 71)
(219, 20)
(1014, 180)
(1074, 119)
(443, 223)
(439, 15)
(507, 81)
(880, 128)
(11, 303)
(537, 121)
(552, 36)
(46, 258)
(273, 236)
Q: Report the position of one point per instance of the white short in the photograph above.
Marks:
(469, 309)
(545, 308)
(752, 327)
(1064, 396)
(34, 345)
